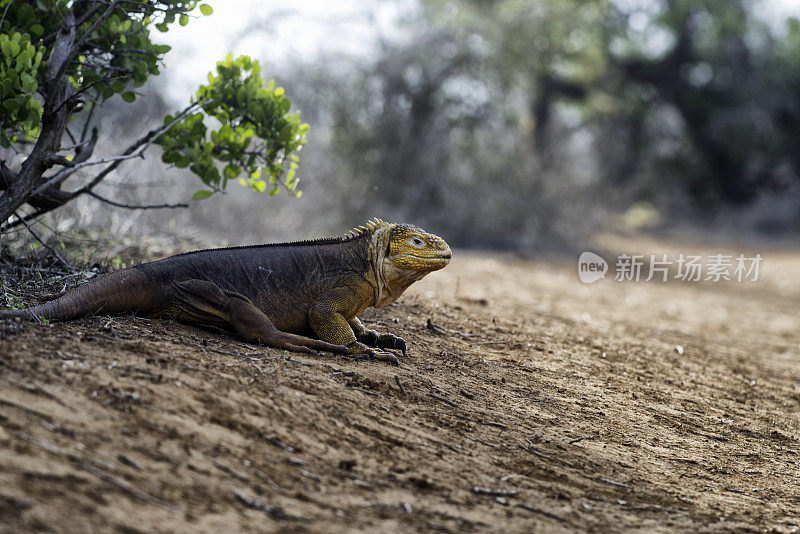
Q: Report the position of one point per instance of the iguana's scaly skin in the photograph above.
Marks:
(302, 296)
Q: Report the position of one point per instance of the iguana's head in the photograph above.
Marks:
(402, 254)
(415, 250)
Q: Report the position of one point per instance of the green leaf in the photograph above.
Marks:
(184, 20)
(206, 9)
(128, 96)
(231, 171)
(201, 194)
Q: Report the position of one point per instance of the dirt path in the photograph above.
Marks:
(541, 404)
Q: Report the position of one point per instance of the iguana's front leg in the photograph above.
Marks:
(374, 339)
(330, 325)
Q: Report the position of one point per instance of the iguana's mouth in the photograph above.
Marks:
(436, 262)
(444, 255)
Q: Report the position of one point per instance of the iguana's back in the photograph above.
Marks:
(282, 280)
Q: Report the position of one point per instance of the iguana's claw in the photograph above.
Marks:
(383, 341)
(359, 350)
(400, 344)
(391, 341)
(385, 357)
(369, 337)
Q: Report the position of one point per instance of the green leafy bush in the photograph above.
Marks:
(63, 59)
(257, 137)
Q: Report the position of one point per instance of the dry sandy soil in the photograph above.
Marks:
(534, 403)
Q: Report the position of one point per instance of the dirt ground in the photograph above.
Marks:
(533, 403)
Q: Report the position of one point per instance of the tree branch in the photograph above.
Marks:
(66, 173)
(136, 207)
(133, 151)
(50, 36)
(3, 18)
(139, 147)
(111, 7)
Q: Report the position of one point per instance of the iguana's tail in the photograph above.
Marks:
(121, 291)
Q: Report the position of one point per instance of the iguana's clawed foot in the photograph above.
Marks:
(359, 349)
(295, 343)
(383, 341)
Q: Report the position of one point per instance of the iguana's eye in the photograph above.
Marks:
(416, 242)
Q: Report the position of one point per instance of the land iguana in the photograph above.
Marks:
(303, 296)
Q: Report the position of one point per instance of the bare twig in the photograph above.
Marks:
(96, 82)
(399, 384)
(278, 443)
(443, 444)
(534, 451)
(439, 329)
(100, 20)
(271, 483)
(503, 342)
(614, 483)
(230, 470)
(66, 173)
(40, 240)
(473, 438)
(301, 362)
(250, 502)
(501, 426)
(75, 146)
(88, 121)
(137, 206)
(545, 513)
(442, 399)
(129, 462)
(494, 492)
(3, 18)
(50, 36)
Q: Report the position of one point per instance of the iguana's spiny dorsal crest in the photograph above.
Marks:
(368, 228)
(275, 294)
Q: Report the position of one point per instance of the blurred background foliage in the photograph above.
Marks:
(511, 124)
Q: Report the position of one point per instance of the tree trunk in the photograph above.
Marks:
(57, 111)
